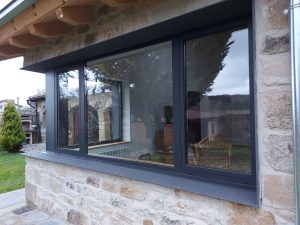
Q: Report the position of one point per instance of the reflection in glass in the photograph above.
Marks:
(129, 105)
(104, 110)
(218, 113)
(68, 110)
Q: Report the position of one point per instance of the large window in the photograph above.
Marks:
(180, 106)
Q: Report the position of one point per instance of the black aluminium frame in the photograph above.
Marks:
(230, 177)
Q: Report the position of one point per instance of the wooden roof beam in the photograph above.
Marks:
(77, 15)
(8, 51)
(25, 41)
(49, 29)
(117, 3)
(3, 58)
(31, 15)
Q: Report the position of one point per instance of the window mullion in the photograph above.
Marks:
(178, 101)
(82, 112)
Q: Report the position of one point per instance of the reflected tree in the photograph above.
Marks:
(149, 75)
(68, 98)
(204, 60)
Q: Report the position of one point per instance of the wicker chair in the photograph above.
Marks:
(212, 152)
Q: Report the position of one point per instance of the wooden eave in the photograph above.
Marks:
(48, 19)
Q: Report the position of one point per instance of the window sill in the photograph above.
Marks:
(237, 194)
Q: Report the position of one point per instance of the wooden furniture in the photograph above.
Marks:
(164, 140)
(212, 152)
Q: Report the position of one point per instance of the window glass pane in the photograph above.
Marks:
(218, 112)
(68, 110)
(129, 105)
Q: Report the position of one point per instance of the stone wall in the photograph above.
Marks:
(274, 118)
(87, 197)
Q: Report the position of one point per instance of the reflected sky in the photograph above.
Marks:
(69, 83)
(234, 78)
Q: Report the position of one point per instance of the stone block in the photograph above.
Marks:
(157, 203)
(44, 165)
(66, 198)
(30, 193)
(278, 152)
(60, 170)
(126, 217)
(248, 216)
(167, 220)
(132, 192)
(278, 191)
(76, 175)
(36, 175)
(118, 202)
(147, 222)
(70, 185)
(277, 109)
(110, 186)
(115, 221)
(76, 217)
(28, 171)
(82, 189)
(276, 81)
(145, 211)
(47, 205)
(92, 180)
(275, 69)
(54, 185)
(277, 44)
(275, 17)
(61, 210)
(285, 217)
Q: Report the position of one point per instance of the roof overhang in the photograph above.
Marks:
(28, 23)
(226, 11)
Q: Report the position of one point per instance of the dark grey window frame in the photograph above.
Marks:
(233, 186)
(179, 117)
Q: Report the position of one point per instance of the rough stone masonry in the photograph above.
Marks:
(86, 197)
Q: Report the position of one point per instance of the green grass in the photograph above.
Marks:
(12, 171)
(241, 159)
(240, 151)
